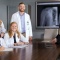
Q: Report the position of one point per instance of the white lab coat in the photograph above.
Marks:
(10, 41)
(28, 26)
(2, 42)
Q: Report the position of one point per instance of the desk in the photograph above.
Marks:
(34, 51)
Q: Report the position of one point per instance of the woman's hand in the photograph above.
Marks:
(15, 44)
(2, 48)
(26, 43)
(2, 34)
(19, 43)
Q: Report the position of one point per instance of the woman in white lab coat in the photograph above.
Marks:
(2, 29)
(2, 44)
(2, 32)
(9, 39)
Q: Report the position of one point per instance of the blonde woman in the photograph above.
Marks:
(2, 29)
(13, 36)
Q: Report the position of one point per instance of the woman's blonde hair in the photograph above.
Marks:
(0, 22)
(10, 31)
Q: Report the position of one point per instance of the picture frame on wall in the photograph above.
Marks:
(47, 14)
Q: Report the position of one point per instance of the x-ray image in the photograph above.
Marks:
(47, 15)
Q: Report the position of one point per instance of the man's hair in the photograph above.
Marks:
(21, 3)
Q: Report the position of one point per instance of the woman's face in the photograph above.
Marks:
(14, 27)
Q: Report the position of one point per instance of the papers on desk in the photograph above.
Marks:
(21, 46)
(7, 49)
(47, 41)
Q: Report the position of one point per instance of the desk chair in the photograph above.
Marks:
(49, 34)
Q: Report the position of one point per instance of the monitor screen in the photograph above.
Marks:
(47, 14)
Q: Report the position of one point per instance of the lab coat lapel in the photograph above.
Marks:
(19, 21)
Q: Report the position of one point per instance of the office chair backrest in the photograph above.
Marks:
(50, 33)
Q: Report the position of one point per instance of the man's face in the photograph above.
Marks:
(21, 7)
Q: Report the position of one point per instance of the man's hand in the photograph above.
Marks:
(30, 37)
(54, 41)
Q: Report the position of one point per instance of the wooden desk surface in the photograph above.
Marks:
(34, 51)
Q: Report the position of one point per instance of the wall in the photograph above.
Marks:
(3, 11)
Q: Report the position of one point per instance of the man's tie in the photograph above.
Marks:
(14, 38)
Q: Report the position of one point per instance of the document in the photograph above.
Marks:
(7, 49)
(47, 41)
(20, 46)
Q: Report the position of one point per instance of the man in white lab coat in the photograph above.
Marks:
(23, 21)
